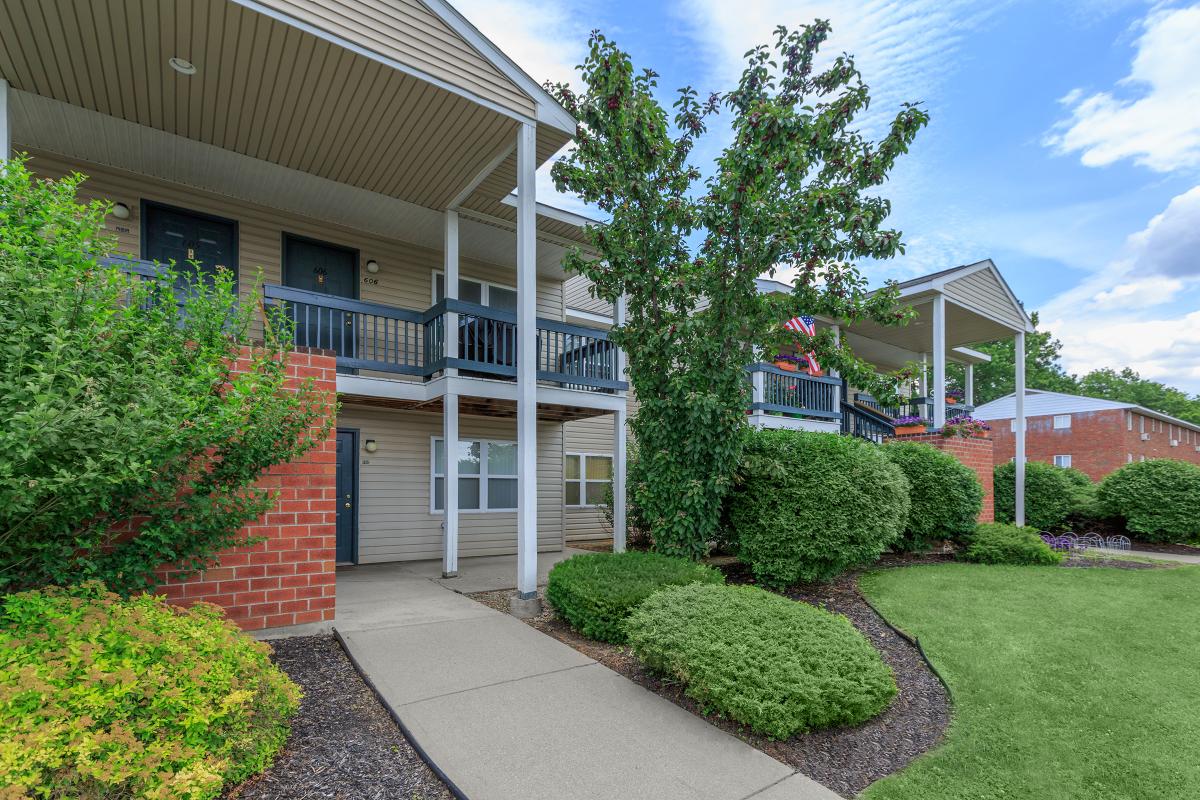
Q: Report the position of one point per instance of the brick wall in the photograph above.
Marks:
(1097, 441)
(975, 453)
(288, 579)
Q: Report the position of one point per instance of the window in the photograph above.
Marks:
(1141, 424)
(482, 293)
(587, 479)
(1062, 461)
(1128, 420)
(1129, 458)
(1012, 424)
(1062, 421)
(487, 475)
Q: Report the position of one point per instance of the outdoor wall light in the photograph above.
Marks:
(181, 65)
(120, 211)
(372, 266)
(371, 446)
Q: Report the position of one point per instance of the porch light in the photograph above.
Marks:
(181, 65)
(120, 211)
(371, 446)
(372, 266)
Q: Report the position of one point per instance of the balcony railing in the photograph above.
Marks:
(371, 336)
(796, 393)
(915, 407)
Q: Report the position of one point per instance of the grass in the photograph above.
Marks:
(1067, 683)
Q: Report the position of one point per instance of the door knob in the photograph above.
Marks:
(347, 505)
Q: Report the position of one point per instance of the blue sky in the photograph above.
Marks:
(1064, 142)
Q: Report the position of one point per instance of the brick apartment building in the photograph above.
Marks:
(1087, 433)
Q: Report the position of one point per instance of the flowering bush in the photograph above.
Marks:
(956, 394)
(904, 422)
(965, 427)
(108, 698)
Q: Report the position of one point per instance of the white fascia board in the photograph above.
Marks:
(969, 356)
(588, 316)
(413, 391)
(979, 266)
(555, 213)
(549, 111)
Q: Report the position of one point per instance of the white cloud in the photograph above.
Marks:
(541, 36)
(1155, 120)
(1129, 313)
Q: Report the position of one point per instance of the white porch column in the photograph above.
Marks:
(5, 123)
(969, 389)
(1019, 362)
(619, 444)
(833, 373)
(526, 364)
(939, 362)
(450, 495)
(450, 282)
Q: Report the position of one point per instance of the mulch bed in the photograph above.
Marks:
(344, 744)
(846, 760)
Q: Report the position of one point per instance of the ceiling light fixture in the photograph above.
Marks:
(181, 65)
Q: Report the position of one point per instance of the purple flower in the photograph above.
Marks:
(901, 422)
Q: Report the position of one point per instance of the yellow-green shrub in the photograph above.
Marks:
(108, 698)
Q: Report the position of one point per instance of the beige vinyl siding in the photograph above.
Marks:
(576, 295)
(394, 520)
(982, 290)
(592, 435)
(405, 277)
(408, 32)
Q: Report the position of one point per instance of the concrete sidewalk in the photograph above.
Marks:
(505, 712)
(1178, 557)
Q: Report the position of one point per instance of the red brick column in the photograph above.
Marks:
(288, 579)
(975, 453)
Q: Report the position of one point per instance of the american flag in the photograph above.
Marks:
(805, 325)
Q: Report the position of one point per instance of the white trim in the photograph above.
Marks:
(555, 213)
(484, 296)
(422, 392)
(620, 462)
(5, 122)
(503, 153)
(939, 361)
(588, 316)
(527, 389)
(483, 476)
(554, 114)
(382, 59)
(450, 492)
(582, 480)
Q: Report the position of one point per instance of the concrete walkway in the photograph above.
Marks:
(505, 712)
(1179, 557)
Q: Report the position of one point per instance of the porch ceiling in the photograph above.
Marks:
(263, 89)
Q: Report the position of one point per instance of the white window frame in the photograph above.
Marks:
(1012, 425)
(1128, 420)
(483, 476)
(1059, 418)
(583, 479)
(1064, 456)
(484, 292)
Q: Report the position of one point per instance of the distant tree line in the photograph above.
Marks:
(1044, 370)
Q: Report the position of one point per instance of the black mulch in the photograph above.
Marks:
(846, 760)
(344, 744)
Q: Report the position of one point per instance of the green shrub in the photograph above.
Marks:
(944, 494)
(1158, 499)
(999, 543)
(772, 663)
(596, 592)
(1051, 493)
(807, 506)
(108, 698)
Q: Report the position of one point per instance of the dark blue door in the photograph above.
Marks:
(347, 497)
(198, 244)
(325, 269)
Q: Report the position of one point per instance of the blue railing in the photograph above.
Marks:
(915, 407)
(793, 393)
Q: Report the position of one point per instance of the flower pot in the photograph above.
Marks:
(909, 430)
(787, 366)
(951, 401)
(982, 435)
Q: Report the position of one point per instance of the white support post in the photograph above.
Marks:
(833, 373)
(969, 389)
(923, 385)
(618, 480)
(1019, 361)
(526, 363)
(619, 444)
(5, 123)
(758, 388)
(450, 495)
(450, 282)
(939, 362)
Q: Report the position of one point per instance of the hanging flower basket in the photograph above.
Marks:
(953, 396)
(909, 426)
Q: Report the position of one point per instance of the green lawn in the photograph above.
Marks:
(1068, 683)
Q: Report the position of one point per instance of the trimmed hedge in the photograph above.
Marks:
(596, 592)
(998, 543)
(944, 494)
(808, 506)
(772, 663)
(1052, 494)
(1158, 499)
(104, 697)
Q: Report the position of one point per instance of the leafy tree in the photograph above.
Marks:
(121, 408)
(787, 193)
(997, 378)
(1127, 386)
